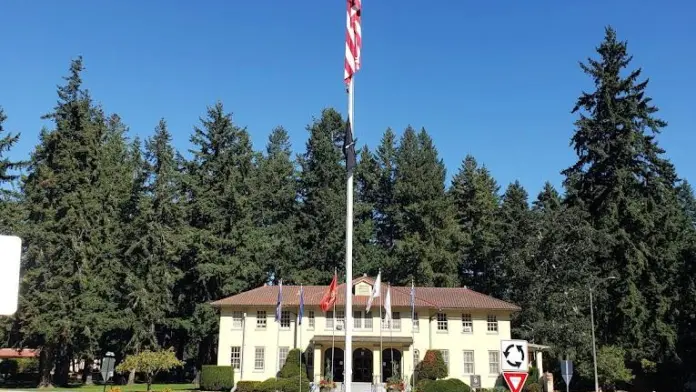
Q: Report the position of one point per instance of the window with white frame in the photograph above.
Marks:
(442, 322)
(285, 319)
(494, 362)
(468, 361)
(396, 321)
(416, 322)
(311, 321)
(237, 320)
(329, 319)
(492, 323)
(467, 323)
(340, 318)
(362, 320)
(445, 358)
(259, 358)
(236, 357)
(368, 320)
(282, 356)
(357, 319)
(261, 319)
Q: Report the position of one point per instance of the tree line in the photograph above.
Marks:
(127, 240)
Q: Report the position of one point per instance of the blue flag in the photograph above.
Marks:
(300, 314)
(279, 304)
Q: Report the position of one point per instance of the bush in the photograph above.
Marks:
(448, 385)
(248, 386)
(217, 378)
(9, 367)
(293, 368)
(292, 384)
(270, 385)
(533, 387)
(432, 367)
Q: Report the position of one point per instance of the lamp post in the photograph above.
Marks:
(594, 344)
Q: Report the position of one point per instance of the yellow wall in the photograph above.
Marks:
(427, 337)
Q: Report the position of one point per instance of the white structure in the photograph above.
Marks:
(464, 325)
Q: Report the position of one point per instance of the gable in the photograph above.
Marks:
(363, 289)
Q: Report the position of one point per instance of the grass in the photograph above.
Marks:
(123, 388)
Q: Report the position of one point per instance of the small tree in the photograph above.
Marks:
(293, 367)
(432, 367)
(611, 367)
(150, 363)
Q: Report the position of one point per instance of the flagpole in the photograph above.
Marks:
(413, 332)
(391, 332)
(381, 349)
(300, 314)
(348, 357)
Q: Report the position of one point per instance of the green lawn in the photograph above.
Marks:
(124, 388)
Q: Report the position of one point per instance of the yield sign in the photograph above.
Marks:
(515, 380)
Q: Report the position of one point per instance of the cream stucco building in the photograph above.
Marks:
(465, 325)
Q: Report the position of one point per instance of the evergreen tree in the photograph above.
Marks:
(9, 204)
(64, 212)
(368, 256)
(320, 231)
(425, 224)
(622, 179)
(548, 199)
(275, 204)
(152, 247)
(475, 195)
(219, 259)
(385, 204)
(516, 250)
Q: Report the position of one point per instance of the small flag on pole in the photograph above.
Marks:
(349, 147)
(376, 290)
(387, 307)
(279, 304)
(300, 313)
(413, 301)
(330, 297)
(353, 39)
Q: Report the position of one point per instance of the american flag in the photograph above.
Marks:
(353, 39)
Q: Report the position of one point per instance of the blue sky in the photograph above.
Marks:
(496, 79)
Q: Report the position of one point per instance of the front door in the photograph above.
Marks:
(362, 365)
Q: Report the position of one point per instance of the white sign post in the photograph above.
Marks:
(10, 255)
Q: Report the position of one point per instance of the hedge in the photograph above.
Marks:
(273, 385)
(248, 386)
(217, 378)
(448, 385)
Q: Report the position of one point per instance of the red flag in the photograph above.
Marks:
(328, 300)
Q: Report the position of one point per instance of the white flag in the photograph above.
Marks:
(387, 307)
(376, 290)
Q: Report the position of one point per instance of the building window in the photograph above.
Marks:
(492, 323)
(467, 324)
(259, 358)
(261, 319)
(416, 322)
(311, 321)
(494, 362)
(282, 356)
(441, 322)
(396, 321)
(236, 357)
(329, 320)
(368, 320)
(284, 319)
(468, 362)
(445, 357)
(237, 320)
(340, 319)
(357, 320)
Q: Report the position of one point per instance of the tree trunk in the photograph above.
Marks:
(87, 372)
(45, 366)
(131, 377)
(62, 364)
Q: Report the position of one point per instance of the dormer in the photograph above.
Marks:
(362, 287)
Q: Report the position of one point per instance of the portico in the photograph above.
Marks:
(372, 362)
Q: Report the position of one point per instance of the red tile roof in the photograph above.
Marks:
(426, 297)
(8, 353)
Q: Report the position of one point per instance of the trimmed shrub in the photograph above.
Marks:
(292, 385)
(248, 386)
(448, 385)
(432, 367)
(534, 387)
(217, 378)
(270, 385)
(293, 368)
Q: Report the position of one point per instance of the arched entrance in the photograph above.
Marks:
(391, 363)
(362, 365)
(337, 363)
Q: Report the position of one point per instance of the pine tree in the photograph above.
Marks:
(425, 224)
(320, 231)
(64, 211)
(9, 203)
(275, 205)
(516, 253)
(548, 199)
(623, 181)
(385, 204)
(219, 259)
(368, 256)
(475, 195)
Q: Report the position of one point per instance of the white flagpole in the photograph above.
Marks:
(348, 356)
(381, 349)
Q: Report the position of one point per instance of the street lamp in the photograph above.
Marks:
(594, 344)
